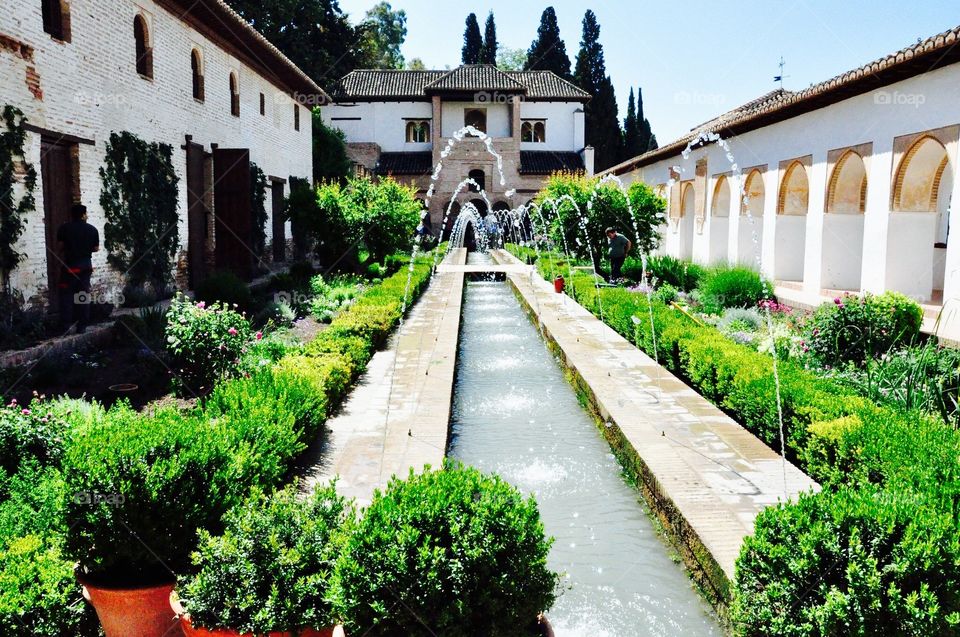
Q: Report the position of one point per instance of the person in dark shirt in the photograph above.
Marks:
(618, 247)
(77, 240)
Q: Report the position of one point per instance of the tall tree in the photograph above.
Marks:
(648, 141)
(632, 143)
(416, 64)
(602, 121)
(315, 34)
(385, 30)
(472, 41)
(548, 52)
(488, 52)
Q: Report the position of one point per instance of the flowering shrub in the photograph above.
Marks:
(29, 432)
(853, 328)
(205, 343)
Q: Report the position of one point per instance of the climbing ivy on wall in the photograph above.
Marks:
(258, 207)
(139, 200)
(13, 213)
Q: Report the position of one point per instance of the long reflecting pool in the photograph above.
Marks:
(515, 414)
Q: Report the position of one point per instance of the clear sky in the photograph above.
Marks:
(693, 59)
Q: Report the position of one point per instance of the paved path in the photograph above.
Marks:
(366, 442)
(476, 268)
(717, 475)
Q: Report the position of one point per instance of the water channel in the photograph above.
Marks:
(515, 414)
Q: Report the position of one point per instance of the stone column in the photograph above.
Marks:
(515, 101)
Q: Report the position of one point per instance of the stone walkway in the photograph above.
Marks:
(716, 474)
(397, 415)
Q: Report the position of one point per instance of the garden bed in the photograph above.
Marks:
(864, 552)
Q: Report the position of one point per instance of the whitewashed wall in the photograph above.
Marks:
(384, 123)
(561, 129)
(91, 88)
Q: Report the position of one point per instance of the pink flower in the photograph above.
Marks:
(259, 335)
(25, 412)
(838, 300)
(201, 305)
(232, 331)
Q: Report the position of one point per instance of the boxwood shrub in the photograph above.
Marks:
(270, 569)
(445, 553)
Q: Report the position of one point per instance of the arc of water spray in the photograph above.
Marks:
(707, 137)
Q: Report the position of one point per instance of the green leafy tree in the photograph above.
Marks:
(386, 31)
(509, 59)
(602, 122)
(648, 140)
(330, 161)
(416, 64)
(315, 34)
(488, 52)
(472, 41)
(581, 226)
(548, 52)
(258, 206)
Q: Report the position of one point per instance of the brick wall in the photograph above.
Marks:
(89, 87)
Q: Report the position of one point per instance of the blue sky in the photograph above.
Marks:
(693, 59)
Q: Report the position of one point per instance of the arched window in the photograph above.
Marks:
(540, 132)
(418, 131)
(526, 132)
(720, 206)
(917, 183)
(196, 69)
(847, 191)
(794, 196)
(752, 205)
(144, 51)
(234, 96)
(476, 117)
(479, 177)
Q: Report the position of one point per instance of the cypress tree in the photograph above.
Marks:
(602, 121)
(488, 51)
(548, 52)
(631, 130)
(647, 139)
(472, 42)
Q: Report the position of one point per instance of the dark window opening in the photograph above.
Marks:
(296, 117)
(476, 117)
(234, 96)
(144, 50)
(55, 19)
(263, 104)
(480, 178)
(197, 71)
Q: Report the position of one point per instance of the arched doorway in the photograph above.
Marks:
(750, 233)
(720, 221)
(451, 219)
(841, 258)
(918, 228)
(793, 200)
(480, 179)
(687, 213)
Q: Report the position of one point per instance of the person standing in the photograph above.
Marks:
(618, 247)
(77, 240)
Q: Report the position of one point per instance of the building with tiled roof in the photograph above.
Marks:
(190, 75)
(846, 185)
(399, 122)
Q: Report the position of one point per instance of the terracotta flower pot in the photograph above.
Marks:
(132, 612)
(193, 631)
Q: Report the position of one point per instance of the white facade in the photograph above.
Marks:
(855, 195)
(89, 86)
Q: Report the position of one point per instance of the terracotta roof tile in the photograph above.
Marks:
(475, 77)
(546, 162)
(405, 163)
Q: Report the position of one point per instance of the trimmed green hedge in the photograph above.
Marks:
(876, 552)
(168, 473)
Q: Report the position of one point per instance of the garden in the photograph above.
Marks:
(868, 409)
(195, 494)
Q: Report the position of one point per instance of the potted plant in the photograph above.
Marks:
(268, 573)
(137, 489)
(445, 553)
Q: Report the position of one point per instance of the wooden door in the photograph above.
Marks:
(233, 228)
(279, 226)
(197, 192)
(57, 170)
